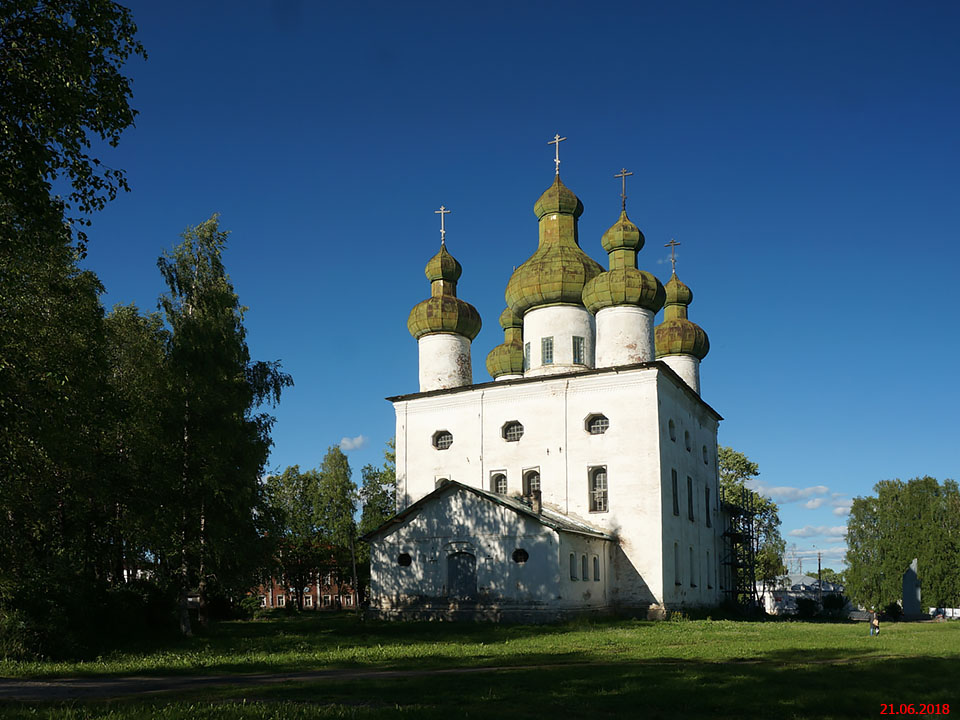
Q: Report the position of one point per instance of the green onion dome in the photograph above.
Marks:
(623, 284)
(676, 335)
(443, 311)
(558, 270)
(507, 359)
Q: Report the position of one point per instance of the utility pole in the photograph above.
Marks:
(819, 580)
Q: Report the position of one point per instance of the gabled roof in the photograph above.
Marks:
(547, 517)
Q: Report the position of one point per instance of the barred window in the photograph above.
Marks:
(598, 490)
(578, 352)
(546, 351)
(531, 482)
(520, 556)
(512, 431)
(676, 494)
(597, 424)
(498, 483)
(442, 439)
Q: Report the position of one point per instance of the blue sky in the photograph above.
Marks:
(805, 155)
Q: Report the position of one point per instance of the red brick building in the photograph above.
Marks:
(330, 593)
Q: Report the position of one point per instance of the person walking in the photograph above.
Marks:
(875, 624)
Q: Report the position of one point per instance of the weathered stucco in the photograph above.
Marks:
(562, 323)
(624, 336)
(444, 361)
(687, 367)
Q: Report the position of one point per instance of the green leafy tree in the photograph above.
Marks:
(336, 506)
(301, 552)
(61, 88)
(220, 439)
(735, 470)
(378, 499)
(918, 519)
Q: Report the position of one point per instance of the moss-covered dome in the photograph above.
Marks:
(558, 198)
(443, 266)
(558, 270)
(443, 311)
(623, 283)
(507, 359)
(677, 335)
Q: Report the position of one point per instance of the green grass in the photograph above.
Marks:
(636, 669)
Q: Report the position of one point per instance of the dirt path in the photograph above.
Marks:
(101, 688)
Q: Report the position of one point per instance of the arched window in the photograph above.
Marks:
(583, 568)
(673, 430)
(596, 569)
(598, 489)
(512, 431)
(498, 483)
(573, 566)
(686, 439)
(531, 482)
(442, 439)
(692, 573)
(706, 461)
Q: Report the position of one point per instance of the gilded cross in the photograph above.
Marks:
(556, 143)
(443, 230)
(623, 175)
(673, 253)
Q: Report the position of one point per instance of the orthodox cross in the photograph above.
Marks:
(443, 231)
(556, 142)
(623, 175)
(673, 253)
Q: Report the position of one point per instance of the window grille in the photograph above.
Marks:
(512, 431)
(499, 484)
(531, 482)
(598, 490)
(442, 440)
(598, 424)
(578, 351)
(546, 351)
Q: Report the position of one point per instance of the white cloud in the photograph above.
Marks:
(841, 510)
(786, 494)
(354, 443)
(836, 531)
(814, 503)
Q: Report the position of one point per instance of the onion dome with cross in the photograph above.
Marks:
(443, 324)
(680, 343)
(505, 362)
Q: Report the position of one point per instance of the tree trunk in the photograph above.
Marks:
(353, 586)
(203, 615)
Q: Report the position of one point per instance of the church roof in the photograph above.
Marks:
(547, 517)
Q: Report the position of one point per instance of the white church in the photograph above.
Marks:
(583, 478)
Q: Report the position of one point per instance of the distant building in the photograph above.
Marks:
(327, 592)
(782, 598)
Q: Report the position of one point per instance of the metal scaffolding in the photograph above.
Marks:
(740, 547)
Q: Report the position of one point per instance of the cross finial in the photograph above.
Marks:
(443, 231)
(623, 175)
(556, 143)
(673, 253)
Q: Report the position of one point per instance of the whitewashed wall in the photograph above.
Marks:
(444, 361)
(562, 323)
(461, 521)
(554, 412)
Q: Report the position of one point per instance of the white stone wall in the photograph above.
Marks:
(687, 367)
(624, 336)
(444, 361)
(562, 323)
(460, 521)
(686, 424)
(554, 413)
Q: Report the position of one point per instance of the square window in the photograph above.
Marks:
(578, 351)
(546, 351)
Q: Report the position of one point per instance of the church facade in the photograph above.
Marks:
(583, 477)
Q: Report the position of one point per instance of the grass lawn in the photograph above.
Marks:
(609, 668)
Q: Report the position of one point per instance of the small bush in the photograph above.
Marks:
(20, 637)
(893, 612)
(678, 616)
(807, 608)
